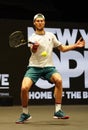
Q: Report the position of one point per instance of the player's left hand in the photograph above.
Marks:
(80, 42)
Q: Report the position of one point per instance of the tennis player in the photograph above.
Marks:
(41, 65)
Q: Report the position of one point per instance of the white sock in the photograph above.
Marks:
(25, 110)
(57, 107)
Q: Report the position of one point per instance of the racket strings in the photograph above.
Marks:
(16, 39)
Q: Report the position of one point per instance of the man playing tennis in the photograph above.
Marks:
(41, 65)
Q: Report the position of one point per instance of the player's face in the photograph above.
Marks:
(39, 24)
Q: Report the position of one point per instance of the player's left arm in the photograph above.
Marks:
(79, 44)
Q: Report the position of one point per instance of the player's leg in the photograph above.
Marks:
(26, 85)
(57, 79)
(31, 76)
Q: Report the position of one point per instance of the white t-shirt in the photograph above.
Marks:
(47, 42)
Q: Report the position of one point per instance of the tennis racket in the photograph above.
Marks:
(17, 39)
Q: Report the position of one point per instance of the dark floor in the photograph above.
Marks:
(42, 118)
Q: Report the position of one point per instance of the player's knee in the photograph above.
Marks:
(24, 89)
(58, 81)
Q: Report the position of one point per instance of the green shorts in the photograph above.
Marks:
(36, 72)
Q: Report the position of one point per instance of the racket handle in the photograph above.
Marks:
(31, 42)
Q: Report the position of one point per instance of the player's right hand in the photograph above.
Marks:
(35, 47)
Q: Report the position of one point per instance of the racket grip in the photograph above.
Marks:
(31, 42)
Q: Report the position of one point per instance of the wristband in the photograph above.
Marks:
(34, 48)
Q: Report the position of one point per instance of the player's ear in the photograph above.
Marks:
(33, 22)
